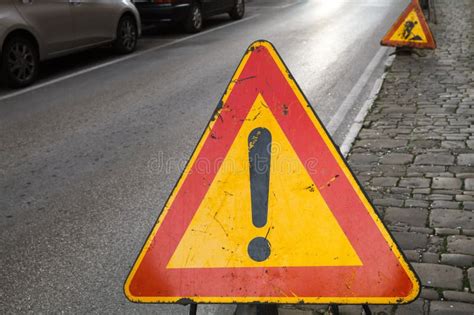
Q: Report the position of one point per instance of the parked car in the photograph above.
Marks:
(189, 13)
(36, 30)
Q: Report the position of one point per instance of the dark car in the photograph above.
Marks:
(189, 13)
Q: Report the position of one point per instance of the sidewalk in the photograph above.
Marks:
(415, 158)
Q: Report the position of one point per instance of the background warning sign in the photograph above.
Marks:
(410, 30)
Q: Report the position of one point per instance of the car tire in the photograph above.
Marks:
(20, 62)
(127, 35)
(238, 11)
(194, 19)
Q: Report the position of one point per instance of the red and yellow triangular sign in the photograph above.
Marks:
(410, 30)
(267, 210)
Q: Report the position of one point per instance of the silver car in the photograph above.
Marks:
(36, 30)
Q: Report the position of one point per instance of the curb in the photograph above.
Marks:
(359, 120)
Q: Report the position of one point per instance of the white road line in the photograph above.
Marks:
(288, 5)
(349, 101)
(359, 120)
(112, 62)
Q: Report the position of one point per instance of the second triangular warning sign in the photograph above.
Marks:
(410, 30)
(268, 211)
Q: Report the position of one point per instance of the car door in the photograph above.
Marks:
(95, 21)
(229, 4)
(209, 7)
(223, 5)
(51, 20)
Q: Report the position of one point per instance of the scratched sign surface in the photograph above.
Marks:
(410, 30)
(268, 211)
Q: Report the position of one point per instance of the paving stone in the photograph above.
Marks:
(382, 309)
(412, 255)
(460, 244)
(392, 170)
(415, 182)
(447, 231)
(447, 191)
(432, 258)
(468, 205)
(409, 216)
(396, 158)
(411, 240)
(465, 175)
(377, 144)
(459, 296)
(435, 159)
(388, 202)
(459, 260)
(423, 191)
(446, 183)
(468, 232)
(435, 244)
(416, 203)
(400, 191)
(445, 204)
(466, 159)
(470, 276)
(448, 307)
(449, 144)
(424, 144)
(439, 197)
(424, 169)
(439, 276)
(420, 229)
(439, 174)
(452, 219)
(459, 169)
(429, 294)
(291, 311)
(464, 198)
(363, 159)
(398, 228)
(416, 307)
(384, 181)
(469, 184)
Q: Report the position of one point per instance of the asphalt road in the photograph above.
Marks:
(90, 153)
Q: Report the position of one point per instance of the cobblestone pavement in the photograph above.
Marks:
(415, 158)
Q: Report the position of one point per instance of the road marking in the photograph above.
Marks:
(359, 120)
(112, 62)
(350, 99)
(288, 5)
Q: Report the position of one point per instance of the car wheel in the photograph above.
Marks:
(193, 23)
(238, 10)
(127, 35)
(20, 62)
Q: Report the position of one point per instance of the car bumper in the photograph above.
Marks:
(154, 13)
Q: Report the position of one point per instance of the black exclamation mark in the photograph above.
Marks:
(260, 143)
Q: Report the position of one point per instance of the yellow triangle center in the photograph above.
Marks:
(300, 227)
(410, 30)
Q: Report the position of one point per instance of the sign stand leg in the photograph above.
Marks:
(193, 309)
(367, 310)
(267, 309)
(334, 309)
(406, 51)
